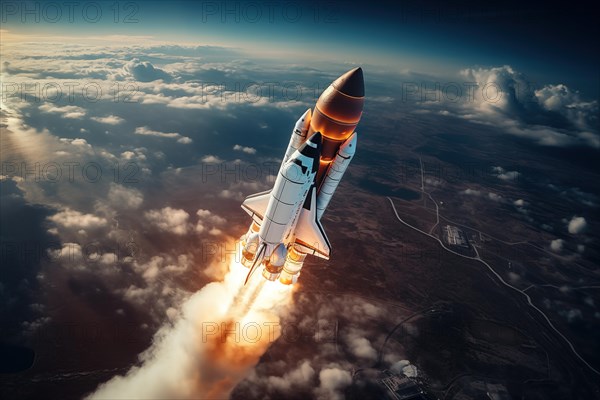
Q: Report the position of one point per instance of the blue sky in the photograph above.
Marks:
(550, 44)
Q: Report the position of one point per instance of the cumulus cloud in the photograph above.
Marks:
(208, 221)
(559, 98)
(478, 193)
(360, 346)
(144, 71)
(122, 197)
(144, 130)
(211, 159)
(471, 192)
(571, 315)
(576, 225)
(169, 220)
(74, 219)
(505, 175)
(244, 149)
(495, 197)
(109, 119)
(552, 116)
(332, 382)
(556, 245)
(231, 194)
(73, 112)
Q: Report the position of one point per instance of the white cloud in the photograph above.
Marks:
(361, 347)
(74, 219)
(495, 197)
(122, 197)
(109, 119)
(477, 193)
(144, 130)
(247, 150)
(207, 221)
(144, 71)
(300, 376)
(332, 383)
(556, 245)
(82, 143)
(551, 116)
(505, 175)
(136, 154)
(519, 203)
(561, 99)
(169, 220)
(211, 159)
(68, 254)
(471, 192)
(73, 112)
(231, 194)
(577, 225)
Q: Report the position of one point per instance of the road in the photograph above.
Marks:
(522, 292)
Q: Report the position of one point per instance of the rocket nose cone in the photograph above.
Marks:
(351, 83)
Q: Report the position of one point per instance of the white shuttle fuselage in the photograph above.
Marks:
(286, 219)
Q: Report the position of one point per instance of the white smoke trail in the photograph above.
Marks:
(224, 329)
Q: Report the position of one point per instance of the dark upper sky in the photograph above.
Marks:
(550, 43)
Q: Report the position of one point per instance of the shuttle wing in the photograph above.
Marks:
(256, 205)
(310, 236)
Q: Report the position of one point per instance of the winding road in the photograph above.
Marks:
(522, 292)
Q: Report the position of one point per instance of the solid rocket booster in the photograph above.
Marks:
(286, 219)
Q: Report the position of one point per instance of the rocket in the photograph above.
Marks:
(286, 223)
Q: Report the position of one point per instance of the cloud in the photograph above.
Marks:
(122, 197)
(109, 119)
(360, 346)
(231, 194)
(551, 116)
(73, 112)
(576, 194)
(207, 221)
(144, 71)
(69, 254)
(559, 98)
(519, 203)
(505, 175)
(136, 154)
(297, 377)
(169, 220)
(144, 130)
(495, 197)
(247, 150)
(556, 245)
(576, 225)
(332, 383)
(74, 219)
(477, 193)
(211, 159)
(571, 315)
(471, 192)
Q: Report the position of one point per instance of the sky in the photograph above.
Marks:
(549, 42)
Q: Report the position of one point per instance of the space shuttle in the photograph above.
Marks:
(286, 220)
